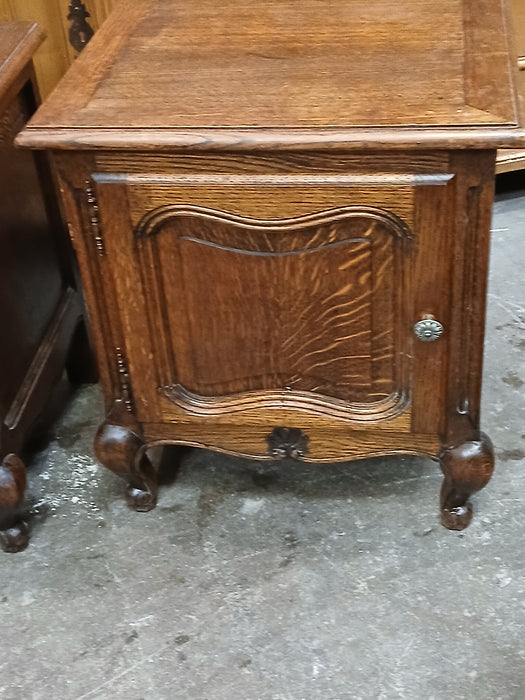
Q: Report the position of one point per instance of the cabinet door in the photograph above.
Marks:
(277, 293)
(306, 304)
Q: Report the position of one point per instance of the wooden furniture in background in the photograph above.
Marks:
(514, 158)
(40, 310)
(285, 254)
(57, 52)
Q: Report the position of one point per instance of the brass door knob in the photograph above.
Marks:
(428, 329)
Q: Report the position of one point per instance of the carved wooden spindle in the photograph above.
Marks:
(80, 31)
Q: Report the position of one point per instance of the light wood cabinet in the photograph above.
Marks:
(56, 53)
(514, 159)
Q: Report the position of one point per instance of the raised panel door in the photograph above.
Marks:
(259, 297)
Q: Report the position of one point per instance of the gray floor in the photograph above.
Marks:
(287, 582)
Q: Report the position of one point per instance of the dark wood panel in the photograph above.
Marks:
(39, 309)
(28, 254)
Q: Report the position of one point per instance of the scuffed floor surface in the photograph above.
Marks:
(283, 582)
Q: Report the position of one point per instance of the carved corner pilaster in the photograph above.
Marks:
(124, 381)
(120, 444)
(94, 219)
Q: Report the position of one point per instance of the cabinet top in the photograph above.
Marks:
(18, 43)
(289, 74)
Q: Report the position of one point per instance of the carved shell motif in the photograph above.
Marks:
(287, 442)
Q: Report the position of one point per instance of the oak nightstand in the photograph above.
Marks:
(281, 212)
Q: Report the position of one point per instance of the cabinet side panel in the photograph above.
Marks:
(73, 177)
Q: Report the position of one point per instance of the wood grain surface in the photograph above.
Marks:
(313, 284)
(242, 68)
(514, 159)
(56, 54)
(313, 278)
(18, 43)
(265, 200)
(334, 445)
(155, 273)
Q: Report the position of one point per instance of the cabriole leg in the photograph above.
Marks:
(122, 450)
(467, 469)
(14, 532)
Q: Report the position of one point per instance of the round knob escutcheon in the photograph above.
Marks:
(428, 329)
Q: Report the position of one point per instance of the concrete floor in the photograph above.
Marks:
(287, 582)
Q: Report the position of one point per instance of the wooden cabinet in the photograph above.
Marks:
(518, 23)
(514, 159)
(39, 307)
(281, 259)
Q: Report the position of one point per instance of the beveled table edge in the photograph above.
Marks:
(261, 138)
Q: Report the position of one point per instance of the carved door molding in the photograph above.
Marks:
(300, 293)
(259, 295)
